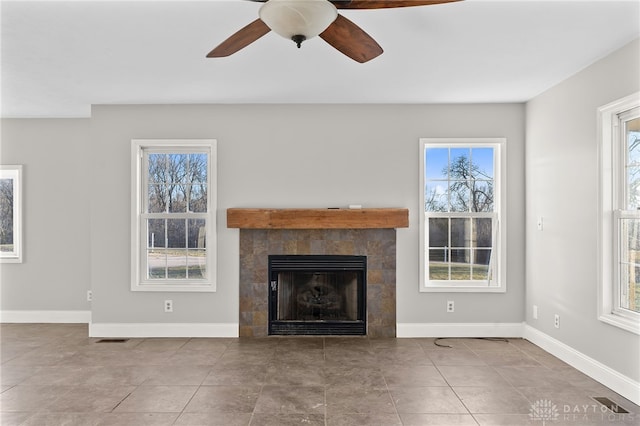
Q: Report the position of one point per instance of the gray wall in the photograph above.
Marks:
(562, 187)
(296, 156)
(55, 273)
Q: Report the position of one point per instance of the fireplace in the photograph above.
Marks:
(317, 295)
(378, 245)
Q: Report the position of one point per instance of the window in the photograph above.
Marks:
(173, 221)
(619, 278)
(462, 231)
(10, 214)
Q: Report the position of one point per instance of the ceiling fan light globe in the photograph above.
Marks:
(290, 18)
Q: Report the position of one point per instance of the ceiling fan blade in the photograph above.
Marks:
(240, 39)
(351, 40)
(385, 4)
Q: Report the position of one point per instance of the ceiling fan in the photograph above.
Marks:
(300, 20)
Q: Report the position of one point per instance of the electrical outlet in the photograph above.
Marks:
(556, 321)
(450, 306)
(535, 311)
(89, 296)
(168, 305)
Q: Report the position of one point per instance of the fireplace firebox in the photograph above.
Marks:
(317, 295)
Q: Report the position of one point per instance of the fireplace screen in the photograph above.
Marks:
(317, 295)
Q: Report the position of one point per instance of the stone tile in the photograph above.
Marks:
(177, 375)
(358, 400)
(157, 399)
(549, 361)
(506, 420)
(14, 375)
(507, 358)
(115, 376)
(224, 399)
(403, 376)
(138, 419)
(63, 419)
(14, 419)
(443, 344)
(96, 399)
(393, 343)
(454, 357)
(41, 357)
(566, 399)
(412, 419)
(367, 381)
(30, 398)
(291, 400)
(162, 344)
(531, 377)
(351, 355)
(488, 400)
(351, 419)
(476, 375)
(213, 419)
(489, 344)
(407, 356)
(260, 419)
(339, 374)
(57, 375)
(427, 400)
(288, 345)
(292, 373)
(188, 357)
(236, 373)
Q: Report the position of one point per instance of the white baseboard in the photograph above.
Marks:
(612, 379)
(163, 330)
(54, 317)
(460, 330)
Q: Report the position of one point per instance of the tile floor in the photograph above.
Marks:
(55, 375)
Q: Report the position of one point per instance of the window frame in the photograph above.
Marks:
(612, 195)
(138, 230)
(14, 172)
(499, 215)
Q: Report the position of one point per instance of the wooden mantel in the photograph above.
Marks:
(317, 218)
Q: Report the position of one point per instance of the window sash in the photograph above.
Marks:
(622, 263)
(491, 265)
(146, 249)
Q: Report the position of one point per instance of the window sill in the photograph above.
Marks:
(176, 288)
(627, 324)
(459, 289)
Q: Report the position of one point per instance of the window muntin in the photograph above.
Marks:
(175, 223)
(461, 205)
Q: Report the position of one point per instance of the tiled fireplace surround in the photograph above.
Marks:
(379, 245)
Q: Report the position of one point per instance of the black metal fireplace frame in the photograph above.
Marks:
(318, 263)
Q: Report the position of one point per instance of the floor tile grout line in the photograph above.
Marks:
(454, 392)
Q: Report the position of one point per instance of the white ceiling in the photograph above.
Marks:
(58, 58)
